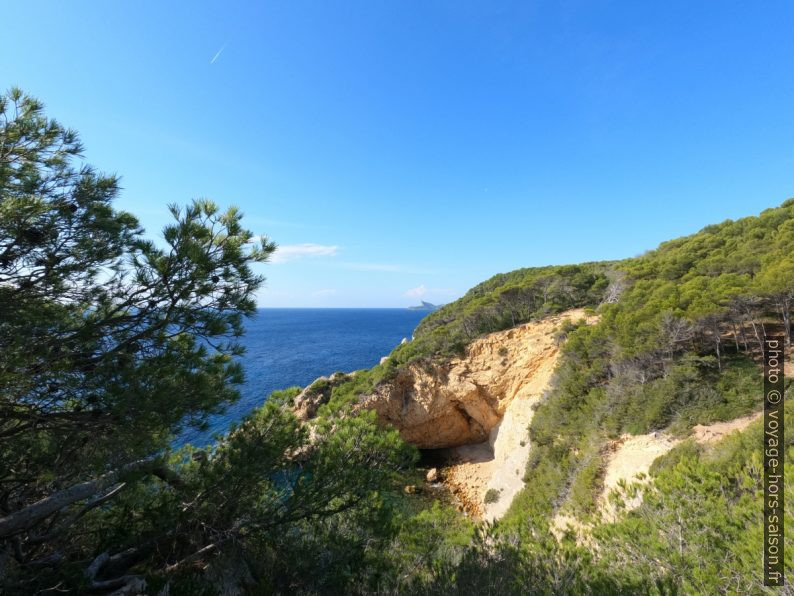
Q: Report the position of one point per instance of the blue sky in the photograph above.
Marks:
(400, 151)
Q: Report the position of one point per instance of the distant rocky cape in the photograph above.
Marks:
(425, 306)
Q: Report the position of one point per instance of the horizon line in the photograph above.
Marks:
(342, 307)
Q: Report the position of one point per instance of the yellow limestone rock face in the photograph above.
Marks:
(480, 408)
(462, 401)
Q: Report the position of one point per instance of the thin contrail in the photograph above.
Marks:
(217, 55)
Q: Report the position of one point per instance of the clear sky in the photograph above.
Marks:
(408, 150)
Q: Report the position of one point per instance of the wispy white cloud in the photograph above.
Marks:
(218, 54)
(292, 252)
(325, 292)
(416, 292)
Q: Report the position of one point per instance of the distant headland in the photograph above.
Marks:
(425, 306)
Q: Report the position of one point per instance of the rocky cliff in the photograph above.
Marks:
(461, 401)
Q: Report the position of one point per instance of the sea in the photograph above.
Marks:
(294, 346)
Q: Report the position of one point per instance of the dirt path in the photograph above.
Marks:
(631, 457)
(634, 454)
(714, 432)
(630, 460)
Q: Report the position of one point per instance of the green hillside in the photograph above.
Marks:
(678, 344)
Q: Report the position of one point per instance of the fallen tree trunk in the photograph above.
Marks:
(29, 516)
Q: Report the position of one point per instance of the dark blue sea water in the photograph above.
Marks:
(294, 346)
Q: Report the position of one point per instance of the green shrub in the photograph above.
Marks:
(492, 496)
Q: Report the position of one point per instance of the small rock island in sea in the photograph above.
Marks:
(425, 306)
